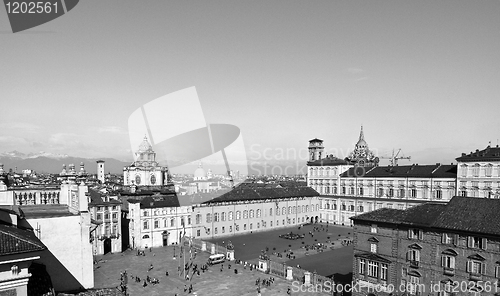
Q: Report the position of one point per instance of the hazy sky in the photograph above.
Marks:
(423, 76)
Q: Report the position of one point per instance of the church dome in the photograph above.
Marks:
(199, 173)
(145, 146)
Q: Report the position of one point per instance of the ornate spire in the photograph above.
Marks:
(361, 140)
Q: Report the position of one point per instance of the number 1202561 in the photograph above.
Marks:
(31, 7)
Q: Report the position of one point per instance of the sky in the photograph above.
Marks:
(421, 76)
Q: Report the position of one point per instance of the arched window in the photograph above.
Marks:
(307, 208)
(270, 211)
(164, 222)
(230, 216)
(223, 216)
(289, 209)
(172, 222)
(283, 211)
(209, 218)
(145, 236)
(216, 217)
(252, 214)
(259, 213)
(198, 218)
(157, 224)
(146, 225)
(238, 215)
(317, 208)
(245, 214)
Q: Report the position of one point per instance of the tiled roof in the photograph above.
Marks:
(242, 194)
(422, 215)
(471, 214)
(157, 201)
(97, 198)
(14, 240)
(330, 160)
(468, 214)
(410, 171)
(488, 154)
(316, 140)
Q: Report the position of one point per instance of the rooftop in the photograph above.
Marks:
(262, 193)
(412, 171)
(468, 214)
(488, 154)
(14, 240)
(156, 201)
(329, 160)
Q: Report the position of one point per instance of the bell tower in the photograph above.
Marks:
(316, 149)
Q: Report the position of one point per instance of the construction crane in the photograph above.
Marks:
(395, 157)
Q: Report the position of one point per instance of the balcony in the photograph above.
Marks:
(414, 263)
(475, 276)
(448, 271)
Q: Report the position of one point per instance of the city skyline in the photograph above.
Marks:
(420, 76)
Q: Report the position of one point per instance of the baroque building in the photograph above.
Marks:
(357, 184)
(479, 173)
(430, 249)
(145, 171)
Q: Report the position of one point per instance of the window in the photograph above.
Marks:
(414, 193)
(283, 211)
(448, 261)
(383, 272)
(373, 228)
(391, 192)
(230, 216)
(380, 192)
(270, 211)
(115, 216)
(475, 267)
(252, 214)
(362, 266)
(238, 215)
(209, 218)
(259, 213)
(373, 269)
(401, 193)
(146, 225)
(157, 224)
(439, 194)
(497, 271)
(245, 214)
(189, 220)
(198, 218)
(414, 233)
(231, 228)
(99, 216)
(448, 238)
(244, 227)
(414, 284)
(215, 230)
(106, 216)
(223, 216)
(216, 217)
(413, 257)
(223, 229)
(373, 247)
(198, 232)
(172, 222)
(476, 242)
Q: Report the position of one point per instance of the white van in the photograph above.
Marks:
(217, 258)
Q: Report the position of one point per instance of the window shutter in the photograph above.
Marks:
(443, 238)
(443, 258)
(484, 243)
(469, 267)
(408, 256)
(417, 255)
(420, 234)
(456, 239)
(483, 268)
(409, 233)
(469, 242)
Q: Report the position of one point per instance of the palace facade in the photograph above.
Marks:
(357, 184)
(430, 249)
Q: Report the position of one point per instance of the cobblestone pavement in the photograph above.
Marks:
(212, 282)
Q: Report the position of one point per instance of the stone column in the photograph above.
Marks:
(307, 278)
(289, 275)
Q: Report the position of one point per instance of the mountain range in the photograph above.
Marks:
(44, 162)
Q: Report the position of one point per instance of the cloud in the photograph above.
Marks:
(361, 78)
(20, 126)
(355, 70)
(111, 129)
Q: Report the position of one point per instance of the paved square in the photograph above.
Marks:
(212, 282)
